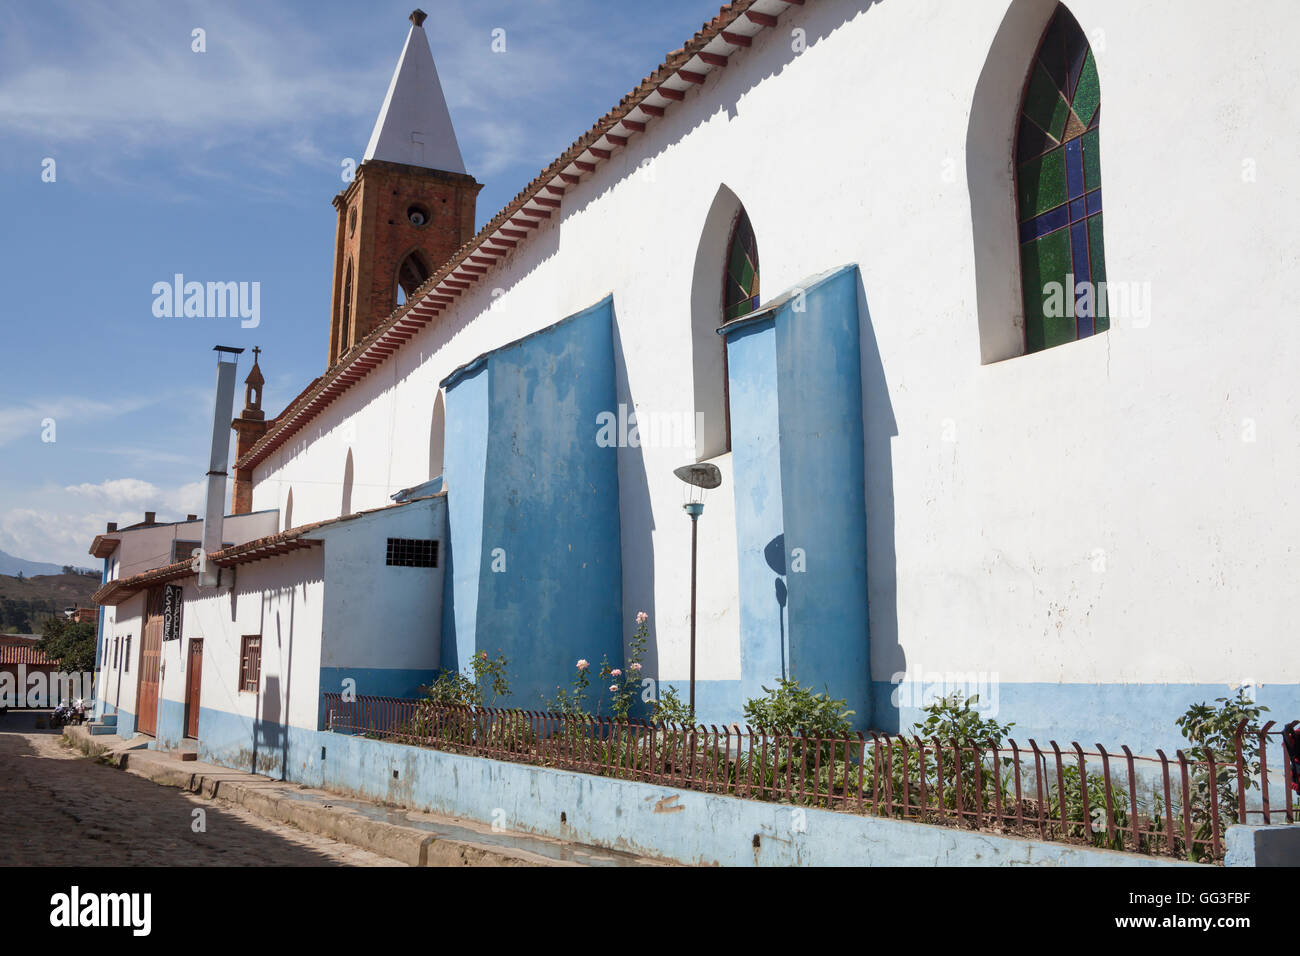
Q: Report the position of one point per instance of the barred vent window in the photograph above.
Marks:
(412, 553)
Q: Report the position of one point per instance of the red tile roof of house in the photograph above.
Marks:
(707, 51)
(23, 654)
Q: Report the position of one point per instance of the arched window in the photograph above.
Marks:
(411, 275)
(346, 508)
(346, 330)
(1058, 188)
(437, 434)
(740, 289)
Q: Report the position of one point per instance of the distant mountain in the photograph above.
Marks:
(26, 602)
(11, 565)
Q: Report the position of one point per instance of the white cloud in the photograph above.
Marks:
(26, 420)
(61, 528)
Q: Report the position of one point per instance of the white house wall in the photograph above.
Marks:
(281, 599)
(382, 625)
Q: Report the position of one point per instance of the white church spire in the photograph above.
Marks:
(414, 126)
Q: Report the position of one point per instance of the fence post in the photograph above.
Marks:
(1040, 764)
(1110, 800)
(1263, 769)
(1060, 790)
(1242, 779)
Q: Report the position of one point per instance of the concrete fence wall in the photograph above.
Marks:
(665, 822)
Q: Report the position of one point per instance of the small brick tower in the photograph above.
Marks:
(410, 206)
(249, 427)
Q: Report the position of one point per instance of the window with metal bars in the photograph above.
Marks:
(250, 663)
(412, 553)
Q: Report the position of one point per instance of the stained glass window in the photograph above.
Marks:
(1058, 185)
(740, 293)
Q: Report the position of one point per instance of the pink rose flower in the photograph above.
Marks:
(635, 667)
(613, 688)
(583, 665)
(616, 673)
(642, 617)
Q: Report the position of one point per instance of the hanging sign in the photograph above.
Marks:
(172, 612)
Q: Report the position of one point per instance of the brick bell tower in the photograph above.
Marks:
(249, 427)
(410, 206)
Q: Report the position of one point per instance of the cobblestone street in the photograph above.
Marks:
(60, 808)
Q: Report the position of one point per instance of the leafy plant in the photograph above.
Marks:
(1096, 815)
(469, 689)
(573, 701)
(814, 728)
(790, 707)
(1211, 732)
(624, 685)
(950, 719)
(671, 709)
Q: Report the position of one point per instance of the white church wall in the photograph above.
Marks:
(1111, 511)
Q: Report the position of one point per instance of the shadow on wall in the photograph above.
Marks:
(636, 521)
(774, 554)
(995, 107)
(879, 429)
(346, 506)
(269, 733)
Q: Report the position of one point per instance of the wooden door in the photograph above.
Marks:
(146, 700)
(193, 684)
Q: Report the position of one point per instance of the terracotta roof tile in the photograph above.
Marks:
(18, 654)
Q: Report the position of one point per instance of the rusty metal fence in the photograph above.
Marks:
(1179, 807)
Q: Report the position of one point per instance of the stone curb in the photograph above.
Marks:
(409, 845)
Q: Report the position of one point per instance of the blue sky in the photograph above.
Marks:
(221, 165)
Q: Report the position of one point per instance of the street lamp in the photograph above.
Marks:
(699, 478)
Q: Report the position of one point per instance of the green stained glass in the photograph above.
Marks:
(1058, 190)
(1042, 184)
(1092, 159)
(1045, 105)
(1087, 96)
(1044, 262)
(740, 289)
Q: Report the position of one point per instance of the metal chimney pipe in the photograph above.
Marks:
(215, 509)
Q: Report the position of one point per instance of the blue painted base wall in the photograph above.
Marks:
(171, 724)
(374, 682)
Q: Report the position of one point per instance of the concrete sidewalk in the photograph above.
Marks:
(405, 836)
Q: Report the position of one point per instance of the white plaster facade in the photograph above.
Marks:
(1112, 510)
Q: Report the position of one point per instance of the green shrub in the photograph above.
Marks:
(1211, 732)
(792, 708)
(948, 719)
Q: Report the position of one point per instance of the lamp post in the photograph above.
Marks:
(699, 478)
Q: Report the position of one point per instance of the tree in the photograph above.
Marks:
(69, 643)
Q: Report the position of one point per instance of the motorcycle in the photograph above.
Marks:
(62, 714)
